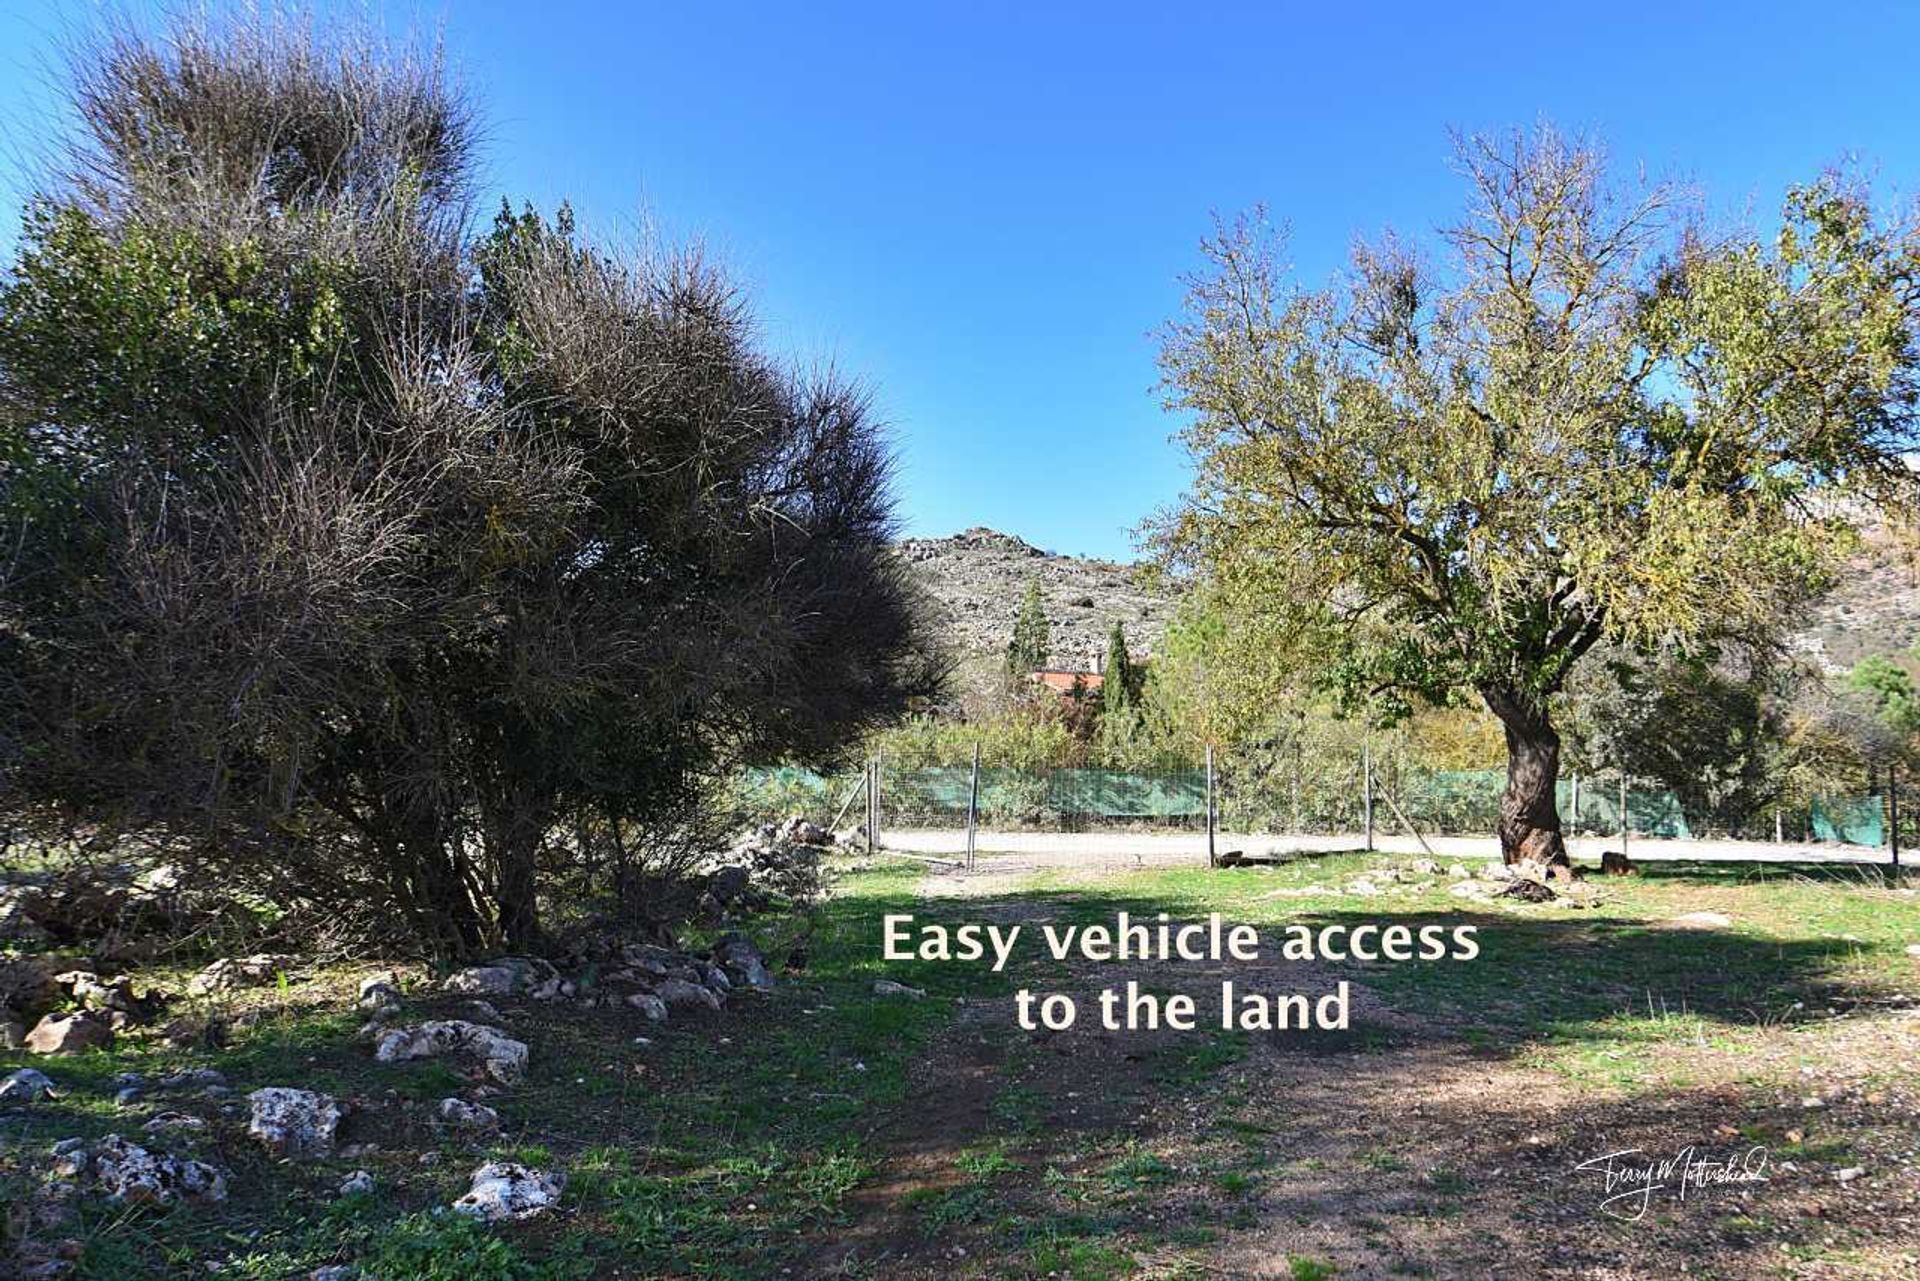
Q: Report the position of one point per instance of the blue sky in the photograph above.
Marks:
(985, 209)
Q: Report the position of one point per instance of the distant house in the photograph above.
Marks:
(1064, 682)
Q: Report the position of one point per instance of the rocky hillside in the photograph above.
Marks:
(976, 580)
(1874, 610)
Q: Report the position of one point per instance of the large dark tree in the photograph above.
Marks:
(1577, 417)
(357, 555)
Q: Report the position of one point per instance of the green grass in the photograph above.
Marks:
(734, 1145)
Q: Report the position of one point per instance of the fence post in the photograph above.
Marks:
(869, 822)
(1575, 807)
(973, 804)
(1779, 826)
(1210, 856)
(1625, 825)
(878, 793)
(1366, 789)
(1893, 817)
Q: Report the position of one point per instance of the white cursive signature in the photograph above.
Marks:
(1632, 1177)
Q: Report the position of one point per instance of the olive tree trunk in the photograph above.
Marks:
(1529, 813)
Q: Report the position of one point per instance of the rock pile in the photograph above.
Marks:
(495, 1053)
(123, 1171)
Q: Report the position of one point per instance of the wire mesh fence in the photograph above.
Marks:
(1327, 795)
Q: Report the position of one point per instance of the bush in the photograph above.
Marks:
(374, 562)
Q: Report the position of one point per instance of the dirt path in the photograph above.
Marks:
(1400, 1148)
(1038, 850)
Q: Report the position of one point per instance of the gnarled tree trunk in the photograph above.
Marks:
(1529, 814)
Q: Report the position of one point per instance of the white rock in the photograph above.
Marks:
(1849, 1174)
(887, 987)
(1913, 949)
(648, 1004)
(473, 1118)
(681, 992)
(28, 1085)
(128, 1172)
(296, 1123)
(484, 980)
(359, 1183)
(505, 1190)
(230, 972)
(69, 1033)
(504, 1058)
(379, 992)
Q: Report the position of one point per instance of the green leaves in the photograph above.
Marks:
(1582, 419)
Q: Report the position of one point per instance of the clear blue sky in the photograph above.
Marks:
(985, 209)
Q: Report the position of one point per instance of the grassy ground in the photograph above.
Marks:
(825, 1131)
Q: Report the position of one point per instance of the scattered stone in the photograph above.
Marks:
(380, 992)
(334, 1272)
(1849, 1174)
(1424, 867)
(681, 992)
(1615, 863)
(648, 1004)
(202, 1079)
(171, 1120)
(503, 1058)
(128, 1172)
(471, 1118)
(230, 972)
(887, 987)
(1913, 950)
(743, 961)
(28, 1085)
(506, 1190)
(1459, 872)
(359, 1183)
(483, 1009)
(805, 832)
(294, 1123)
(1702, 921)
(1497, 871)
(1362, 888)
(70, 1033)
(27, 986)
(1813, 1101)
(1527, 890)
(13, 1034)
(483, 980)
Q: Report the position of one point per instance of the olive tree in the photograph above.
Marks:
(367, 559)
(1578, 415)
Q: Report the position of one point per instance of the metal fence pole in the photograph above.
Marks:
(878, 794)
(973, 804)
(867, 781)
(1210, 856)
(1893, 817)
(1624, 824)
(1366, 789)
(1574, 824)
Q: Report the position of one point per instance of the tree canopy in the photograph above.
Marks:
(1579, 415)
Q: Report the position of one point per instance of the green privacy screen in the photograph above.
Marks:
(1854, 820)
(1436, 801)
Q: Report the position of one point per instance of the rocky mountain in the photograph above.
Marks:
(1874, 610)
(976, 579)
